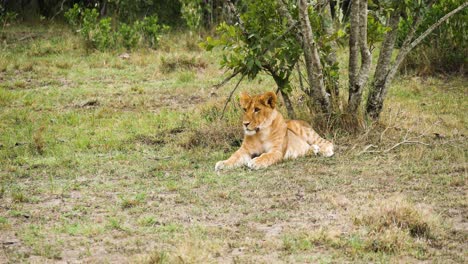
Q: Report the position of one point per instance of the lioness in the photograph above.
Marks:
(269, 138)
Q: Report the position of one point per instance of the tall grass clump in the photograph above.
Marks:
(396, 225)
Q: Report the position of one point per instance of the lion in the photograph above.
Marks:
(269, 138)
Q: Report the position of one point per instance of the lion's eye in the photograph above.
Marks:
(256, 110)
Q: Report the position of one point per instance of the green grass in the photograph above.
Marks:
(105, 159)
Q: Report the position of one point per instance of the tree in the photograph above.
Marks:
(259, 41)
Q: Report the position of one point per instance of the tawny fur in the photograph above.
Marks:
(269, 138)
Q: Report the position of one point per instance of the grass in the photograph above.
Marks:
(105, 159)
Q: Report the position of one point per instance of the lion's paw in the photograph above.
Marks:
(220, 165)
(315, 149)
(254, 164)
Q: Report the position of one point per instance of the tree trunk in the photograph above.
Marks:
(103, 11)
(358, 43)
(327, 21)
(288, 105)
(282, 83)
(313, 64)
(353, 66)
(375, 98)
(387, 71)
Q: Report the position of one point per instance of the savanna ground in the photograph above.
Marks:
(111, 159)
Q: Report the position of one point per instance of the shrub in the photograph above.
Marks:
(151, 30)
(129, 36)
(103, 34)
(192, 13)
(73, 16)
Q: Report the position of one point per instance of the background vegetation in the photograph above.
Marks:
(110, 126)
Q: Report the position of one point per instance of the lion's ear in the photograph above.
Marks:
(269, 99)
(244, 99)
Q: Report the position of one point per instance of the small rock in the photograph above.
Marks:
(124, 56)
(213, 93)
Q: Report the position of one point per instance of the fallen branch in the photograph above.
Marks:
(28, 36)
(230, 95)
(406, 142)
(365, 150)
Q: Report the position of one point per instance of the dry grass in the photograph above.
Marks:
(173, 63)
(394, 225)
(220, 137)
(38, 139)
(399, 213)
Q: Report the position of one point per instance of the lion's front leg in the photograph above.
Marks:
(239, 158)
(265, 160)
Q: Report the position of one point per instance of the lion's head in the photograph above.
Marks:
(259, 111)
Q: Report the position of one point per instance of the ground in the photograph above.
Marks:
(105, 158)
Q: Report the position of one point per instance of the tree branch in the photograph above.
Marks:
(409, 46)
(234, 74)
(435, 25)
(230, 96)
(405, 142)
(58, 12)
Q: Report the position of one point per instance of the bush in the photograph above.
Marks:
(192, 13)
(73, 16)
(101, 34)
(6, 17)
(129, 36)
(151, 30)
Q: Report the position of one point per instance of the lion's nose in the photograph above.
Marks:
(246, 123)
